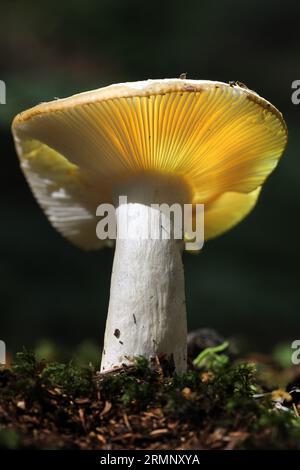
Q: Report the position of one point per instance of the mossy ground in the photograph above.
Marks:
(221, 404)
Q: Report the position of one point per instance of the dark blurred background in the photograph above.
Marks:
(245, 283)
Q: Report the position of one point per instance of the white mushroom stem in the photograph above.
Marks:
(147, 311)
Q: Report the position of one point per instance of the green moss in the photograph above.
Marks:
(26, 364)
(218, 394)
(70, 378)
(138, 385)
(9, 439)
(31, 377)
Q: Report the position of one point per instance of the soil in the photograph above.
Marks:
(223, 403)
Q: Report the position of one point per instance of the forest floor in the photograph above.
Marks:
(220, 403)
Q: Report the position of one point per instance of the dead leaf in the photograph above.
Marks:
(281, 396)
(187, 393)
(106, 409)
(159, 432)
(81, 413)
(207, 377)
(126, 421)
(82, 401)
(21, 404)
(101, 438)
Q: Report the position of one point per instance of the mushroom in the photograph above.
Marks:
(155, 141)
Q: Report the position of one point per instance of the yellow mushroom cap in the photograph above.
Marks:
(224, 140)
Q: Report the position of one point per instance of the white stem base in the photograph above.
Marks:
(147, 312)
